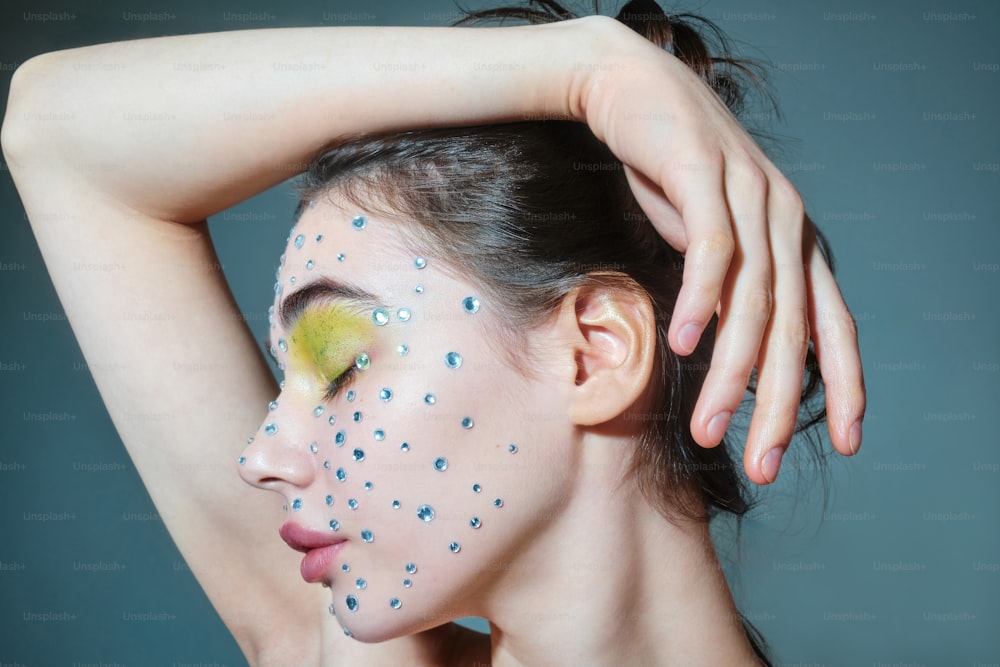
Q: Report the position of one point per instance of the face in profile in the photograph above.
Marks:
(420, 466)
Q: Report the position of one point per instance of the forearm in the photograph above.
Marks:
(183, 127)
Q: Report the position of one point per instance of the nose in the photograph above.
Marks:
(278, 455)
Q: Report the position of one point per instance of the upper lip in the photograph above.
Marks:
(303, 539)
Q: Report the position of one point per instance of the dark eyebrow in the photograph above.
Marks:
(323, 289)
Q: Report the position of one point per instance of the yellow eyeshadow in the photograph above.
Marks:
(328, 338)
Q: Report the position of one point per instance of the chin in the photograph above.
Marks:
(381, 627)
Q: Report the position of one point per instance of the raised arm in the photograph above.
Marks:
(121, 151)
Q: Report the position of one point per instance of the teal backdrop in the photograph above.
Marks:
(890, 131)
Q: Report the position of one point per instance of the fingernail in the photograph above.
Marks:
(717, 427)
(689, 337)
(771, 463)
(855, 437)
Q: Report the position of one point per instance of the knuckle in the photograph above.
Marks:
(795, 333)
(785, 194)
(716, 247)
(755, 177)
(758, 302)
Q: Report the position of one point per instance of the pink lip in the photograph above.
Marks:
(319, 548)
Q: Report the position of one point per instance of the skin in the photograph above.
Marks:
(136, 196)
(572, 527)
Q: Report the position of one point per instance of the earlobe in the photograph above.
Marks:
(613, 329)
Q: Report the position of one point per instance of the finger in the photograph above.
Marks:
(745, 309)
(835, 340)
(786, 341)
(706, 262)
(661, 213)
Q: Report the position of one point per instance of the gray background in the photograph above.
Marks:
(892, 113)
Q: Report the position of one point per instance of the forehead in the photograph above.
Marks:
(350, 246)
(369, 253)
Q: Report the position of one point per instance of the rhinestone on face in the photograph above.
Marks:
(340, 257)
(352, 503)
(330, 609)
(367, 536)
(467, 423)
(498, 502)
(313, 447)
(395, 504)
(363, 362)
(358, 454)
(291, 280)
(385, 395)
(453, 360)
(405, 447)
(270, 429)
(395, 603)
(352, 603)
(380, 317)
(334, 524)
(350, 396)
(419, 289)
(329, 501)
(407, 583)
(430, 399)
(309, 265)
(403, 349)
(296, 504)
(299, 241)
(326, 465)
(340, 438)
(477, 488)
(475, 522)
(341, 474)
(368, 486)
(272, 406)
(470, 304)
(440, 464)
(411, 568)
(282, 345)
(455, 547)
(359, 222)
(242, 460)
(420, 262)
(403, 314)
(319, 238)
(361, 584)
(379, 434)
(318, 410)
(357, 416)
(425, 513)
(332, 420)
(512, 448)
(345, 567)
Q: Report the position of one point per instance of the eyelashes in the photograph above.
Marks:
(333, 387)
(339, 382)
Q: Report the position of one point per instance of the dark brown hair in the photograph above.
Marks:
(531, 210)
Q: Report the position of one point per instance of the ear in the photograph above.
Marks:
(611, 330)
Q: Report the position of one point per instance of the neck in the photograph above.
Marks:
(633, 589)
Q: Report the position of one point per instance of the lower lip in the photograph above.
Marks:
(317, 561)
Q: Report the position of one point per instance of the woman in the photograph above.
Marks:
(513, 492)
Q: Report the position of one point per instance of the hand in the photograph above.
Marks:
(751, 255)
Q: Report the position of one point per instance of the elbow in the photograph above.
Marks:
(22, 127)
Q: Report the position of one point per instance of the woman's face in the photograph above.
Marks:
(402, 430)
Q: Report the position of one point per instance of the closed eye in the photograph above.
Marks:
(338, 382)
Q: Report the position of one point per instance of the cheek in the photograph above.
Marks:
(430, 466)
